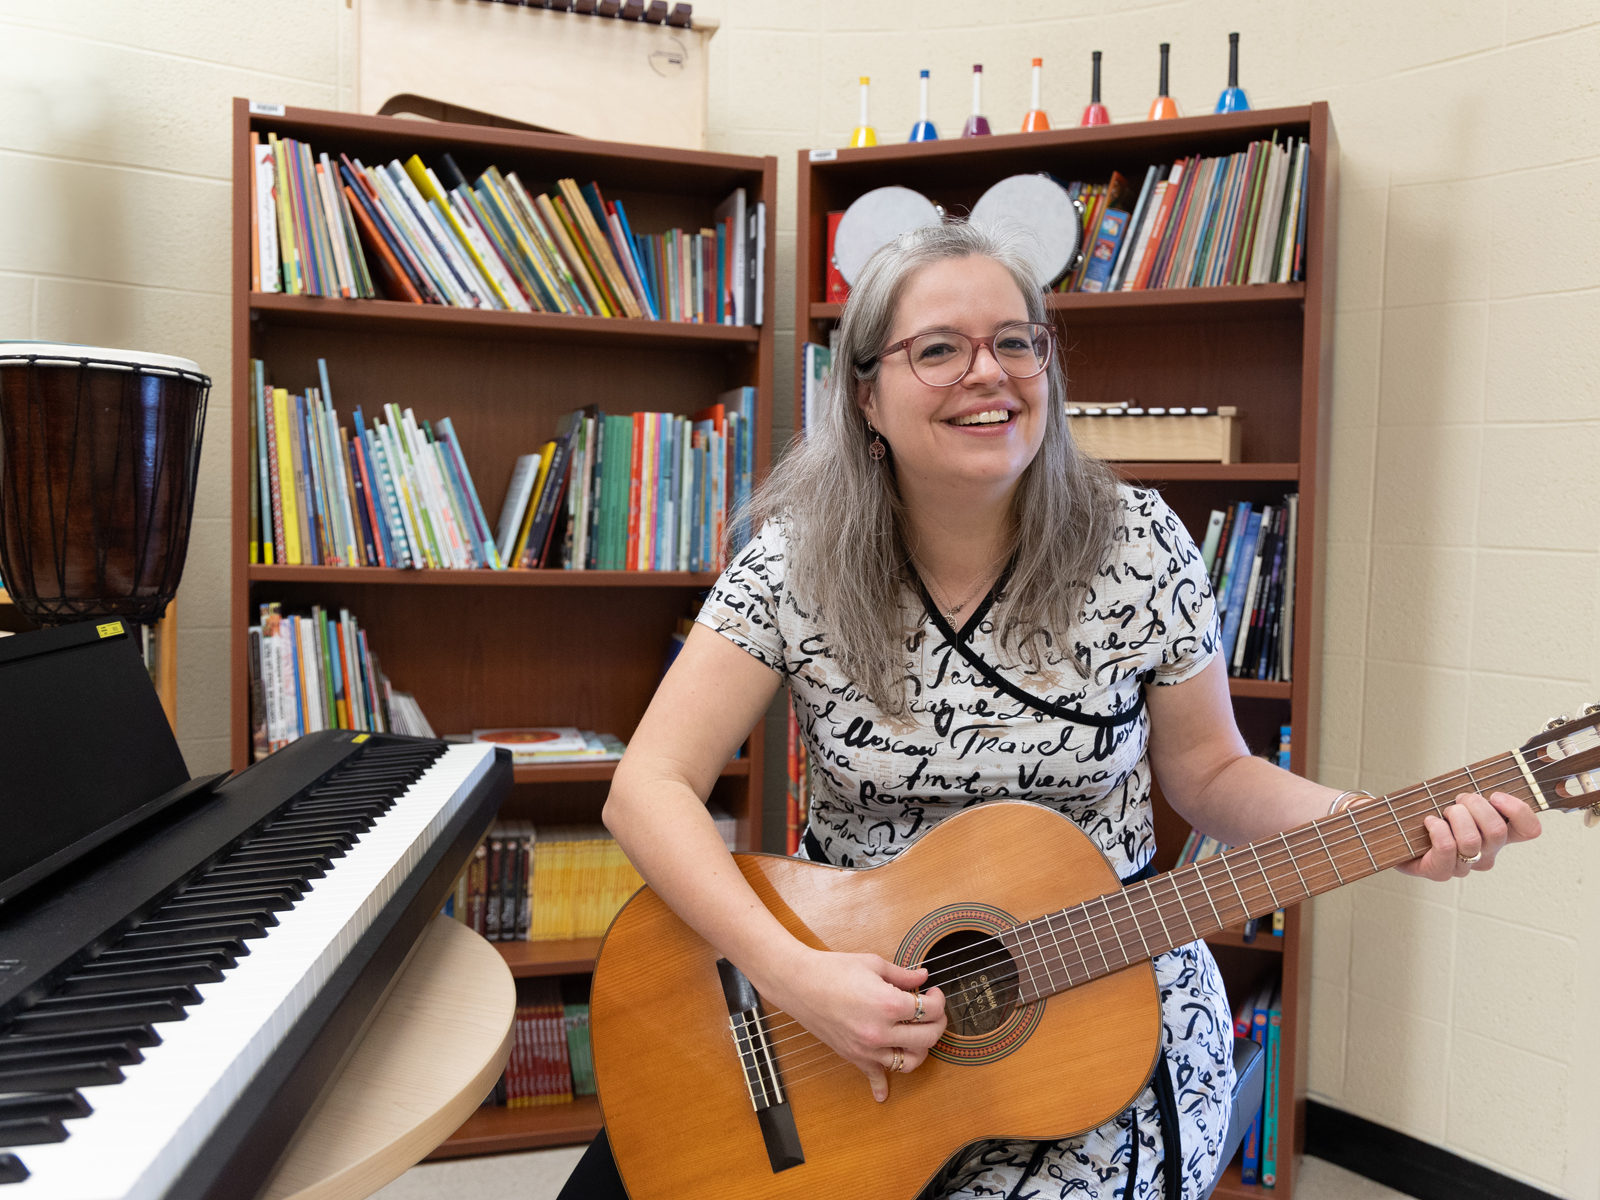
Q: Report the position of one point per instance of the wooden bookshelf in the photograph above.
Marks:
(1266, 349)
(485, 648)
(503, 1130)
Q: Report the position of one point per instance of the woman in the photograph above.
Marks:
(939, 492)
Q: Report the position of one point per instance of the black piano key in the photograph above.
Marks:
(55, 1077)
(197, 943)
(180, 992)
(287, 859)
(316, 824)
(117, 1053)
(288, 890)
(31, 1131)
(269, 874)
(98, 982)
(11, 1169)
(64, 1106)
(258, 920)
(123, 1035)
(326, 843)
(39, 1019)
(354, 797)
(223, 905)
(219, 931)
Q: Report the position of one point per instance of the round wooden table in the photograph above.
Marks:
(429, 1057)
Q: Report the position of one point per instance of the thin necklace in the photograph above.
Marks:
(951, 610)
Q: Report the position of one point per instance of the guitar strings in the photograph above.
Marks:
(1275, 855)
(1423, 796)
(1408, 809)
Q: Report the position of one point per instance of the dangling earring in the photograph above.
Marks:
(878, 449)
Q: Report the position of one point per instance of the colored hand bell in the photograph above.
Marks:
(865, 134)
(1233, 98)
(1162, 107)
(977, 124)
(1095, 113)
(923, 130)
(1036, 121)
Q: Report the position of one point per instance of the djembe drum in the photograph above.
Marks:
(99, 454)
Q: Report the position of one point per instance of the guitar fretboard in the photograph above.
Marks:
(1064, 949)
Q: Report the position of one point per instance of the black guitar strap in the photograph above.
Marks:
(1161, 1081)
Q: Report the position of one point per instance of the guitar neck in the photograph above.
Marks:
(1064, 949)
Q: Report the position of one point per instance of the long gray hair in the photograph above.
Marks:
(849, 555)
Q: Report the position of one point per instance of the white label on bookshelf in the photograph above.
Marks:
(824, 155)
(263, 108)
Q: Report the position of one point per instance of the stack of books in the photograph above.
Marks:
(395, 494)
(532, 745)
(1251, 557)
(1259, 1017)
(421, 234)
(539, 1071)
(551, 1059)
(1200, 222)
(312, 672)
(638, 492)
(548, 883)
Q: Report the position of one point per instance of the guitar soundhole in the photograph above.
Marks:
(978, 978)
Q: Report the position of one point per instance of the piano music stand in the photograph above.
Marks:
(431, 1054)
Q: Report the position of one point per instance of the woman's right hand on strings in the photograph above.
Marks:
(863, 1007)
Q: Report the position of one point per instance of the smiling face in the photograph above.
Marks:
(980, 433)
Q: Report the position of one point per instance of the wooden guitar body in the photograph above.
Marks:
(678, 1110)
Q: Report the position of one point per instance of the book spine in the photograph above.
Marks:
(554, 492)
(1241, 520)
(1236, 596)
(1251, 594)
(1269, 1132)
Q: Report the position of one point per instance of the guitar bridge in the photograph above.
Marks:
(762, 1081)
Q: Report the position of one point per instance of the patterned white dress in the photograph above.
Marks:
(877, 783)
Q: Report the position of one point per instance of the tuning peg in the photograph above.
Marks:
(1591, 710)
(1558, 722)
(1591, 816)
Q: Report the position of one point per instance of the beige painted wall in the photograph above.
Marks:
(1463, 559)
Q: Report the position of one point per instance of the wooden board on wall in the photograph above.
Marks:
(562, 71)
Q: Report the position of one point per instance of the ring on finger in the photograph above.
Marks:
(1469, 859)
(898, 1062)
(917, 1017)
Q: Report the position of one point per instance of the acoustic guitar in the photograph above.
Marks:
(1054, 1018)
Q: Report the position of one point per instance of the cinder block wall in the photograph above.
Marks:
(1463, 547)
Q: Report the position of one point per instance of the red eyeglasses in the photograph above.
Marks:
(943, 358)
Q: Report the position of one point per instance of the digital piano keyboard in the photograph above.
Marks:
(172, 1005)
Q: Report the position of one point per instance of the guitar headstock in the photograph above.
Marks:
(1564, 759)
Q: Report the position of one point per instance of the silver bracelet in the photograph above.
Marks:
(1343, 796)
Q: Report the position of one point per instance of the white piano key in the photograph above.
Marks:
(145, 1130)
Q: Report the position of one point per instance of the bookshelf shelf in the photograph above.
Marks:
(502, 1130)
(320, 312)
(1261, 689)
(1173, 472)
(1162, 304)
(1264, 348)
(530, 959)
(1265, 939)
(401, 577)
(601, 772)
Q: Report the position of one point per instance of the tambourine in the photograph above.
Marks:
(876, 219)
(1041, 207)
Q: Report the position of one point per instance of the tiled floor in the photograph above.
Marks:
(539, 1175)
